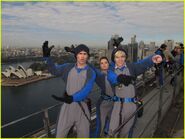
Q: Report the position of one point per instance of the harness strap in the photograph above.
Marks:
(120, 117)
(118, 99)
(80, 104)
(125, 100)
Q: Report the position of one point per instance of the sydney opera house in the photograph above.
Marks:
(19, 72)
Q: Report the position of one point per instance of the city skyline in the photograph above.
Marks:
(93, 23)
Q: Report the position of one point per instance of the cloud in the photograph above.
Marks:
(69, 22)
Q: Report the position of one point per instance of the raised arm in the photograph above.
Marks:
(53, 68)
(142, 65)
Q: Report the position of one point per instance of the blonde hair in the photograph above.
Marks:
(120, 53)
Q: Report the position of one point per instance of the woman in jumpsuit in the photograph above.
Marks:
(105, 104)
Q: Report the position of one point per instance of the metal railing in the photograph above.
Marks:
(29, 116)
(45, 119)
(46, 122)
(113, 133)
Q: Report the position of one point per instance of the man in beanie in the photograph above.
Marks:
(160, 67)
(125, 101)
(79, 79)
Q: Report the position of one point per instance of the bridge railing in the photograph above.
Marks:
(161, 103)
(48, 131)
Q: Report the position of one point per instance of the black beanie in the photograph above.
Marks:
(115, 50)
(81, 47)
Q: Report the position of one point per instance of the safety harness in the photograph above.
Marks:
(118, 99)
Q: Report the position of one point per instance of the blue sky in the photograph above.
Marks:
(93, 23)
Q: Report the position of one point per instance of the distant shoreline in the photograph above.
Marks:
(20, 59)
(19, 82)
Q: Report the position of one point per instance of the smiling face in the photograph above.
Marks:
(120, 58)
(104, 64)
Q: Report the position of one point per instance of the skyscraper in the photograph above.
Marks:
(133, 50)
(141, 49)
(152, 46)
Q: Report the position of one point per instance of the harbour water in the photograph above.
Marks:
(21, 101)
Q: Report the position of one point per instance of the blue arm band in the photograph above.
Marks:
(82, 94)
(112, 77)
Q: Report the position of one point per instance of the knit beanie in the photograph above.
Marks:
(114, 52)
(81, 47)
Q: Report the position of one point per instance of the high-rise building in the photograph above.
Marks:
(141, 49)
(133, 39)
(152, 46)
(133, 50)
(110, 48)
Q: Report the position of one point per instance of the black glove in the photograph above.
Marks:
(118, 41)
(70, 49)
(46, 50)
(125, 79)
(67, 99)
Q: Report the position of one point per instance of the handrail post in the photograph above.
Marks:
(46, 123)
(174, 89)
(144, 82)
(160, 105)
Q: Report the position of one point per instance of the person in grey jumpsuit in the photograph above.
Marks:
(124, 105)
(105, 104)
(79, 79)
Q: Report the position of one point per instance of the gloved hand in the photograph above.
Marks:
(70, 49)
(125, 79)
(140, 107)
(67, 99)
(46, 50)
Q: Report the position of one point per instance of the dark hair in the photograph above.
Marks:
(81, 47)
(182, 45)
(163, 46)
(104, 57)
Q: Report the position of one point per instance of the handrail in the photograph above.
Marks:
(120, 127)
(31, 115)
(56, 105)
(112, 134)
